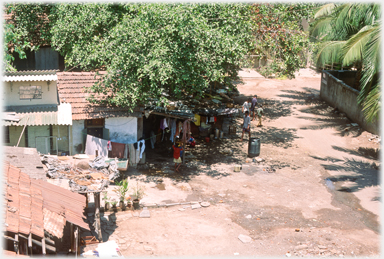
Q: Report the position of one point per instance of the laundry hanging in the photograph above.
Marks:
(93, 143)
(141, 147)
(117, 150)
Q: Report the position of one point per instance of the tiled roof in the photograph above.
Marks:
(35, 205)
(71, 86)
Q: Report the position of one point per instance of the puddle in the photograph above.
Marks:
(160, 186)
(329, 184)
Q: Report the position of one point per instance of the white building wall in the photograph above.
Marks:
(122, 129)
(11, 95)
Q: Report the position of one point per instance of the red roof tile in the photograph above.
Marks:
(71, 87)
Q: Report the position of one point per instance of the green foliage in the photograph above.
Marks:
(349, 35)
(280, 36)
(122, 189)
(138, 191)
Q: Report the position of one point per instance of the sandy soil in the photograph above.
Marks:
(317, 192)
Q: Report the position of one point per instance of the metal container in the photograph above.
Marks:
(217, 133)
(254, 147)
(221, 134)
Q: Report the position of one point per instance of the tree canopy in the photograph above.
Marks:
(149, 50)
(349, 35)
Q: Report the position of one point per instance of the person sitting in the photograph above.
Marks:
(191, 141)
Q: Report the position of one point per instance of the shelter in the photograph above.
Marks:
(40, 217)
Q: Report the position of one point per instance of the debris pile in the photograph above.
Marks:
(94, 176)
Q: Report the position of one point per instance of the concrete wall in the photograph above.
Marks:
(339, 95)
(122, 129)
(11, 93)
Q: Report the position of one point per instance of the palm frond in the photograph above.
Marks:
(354, 48)
(329, 52)
(321, 27)
(324, 10)
(372, 105)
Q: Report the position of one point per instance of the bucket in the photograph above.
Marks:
(207, 139)
(221, 134)
(254, 147)
(237, 168)
(217, 133)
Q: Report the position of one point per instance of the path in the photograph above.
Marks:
(315, 194)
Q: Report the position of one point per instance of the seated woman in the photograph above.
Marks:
(191, 141)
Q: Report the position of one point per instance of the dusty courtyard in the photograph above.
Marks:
(316, 193)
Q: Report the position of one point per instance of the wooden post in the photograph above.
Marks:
(43, 246)
(76, 238)
(18, 142)
(71, 236)
(30, 243)
(86, 200)
(16, 244)
(97, 215)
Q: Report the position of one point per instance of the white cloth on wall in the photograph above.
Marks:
(93, 143)
(173, 130)
(141, 147)
(153, 139)
(211, 119)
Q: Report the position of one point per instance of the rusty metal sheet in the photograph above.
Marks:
(76, 219)
(54, 223)
(24, 225)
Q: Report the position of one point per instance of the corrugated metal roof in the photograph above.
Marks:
(26, 158)
(30, 78)
(38, 115)
(31, 72)
(29, 204)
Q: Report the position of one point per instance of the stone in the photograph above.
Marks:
(148, 248)
(301, 247)
(205, 204)
(181, 209)
(135, 214)
(184, 207)
(322, 247)
(122, 241)
(248, 216)
(221, 194)
(244, 238)
(258, 159)
(145, 214)
(196, 206)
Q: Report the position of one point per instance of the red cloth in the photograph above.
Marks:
(117, 150)
(176, 152)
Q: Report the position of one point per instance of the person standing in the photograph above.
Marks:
(260, 114)
(177, 149)
(246, 106)
(246, 125)
(253, 106)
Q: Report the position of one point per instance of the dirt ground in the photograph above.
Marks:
(316, 192)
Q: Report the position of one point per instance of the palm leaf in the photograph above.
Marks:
(353, 49)
(324, 10)
(329, 53)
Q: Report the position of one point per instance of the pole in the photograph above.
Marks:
(43, 246)
(22, 132)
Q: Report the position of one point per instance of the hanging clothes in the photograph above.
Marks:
(173, 130)
(141, 147)
(186, 131)
(93, 143)
(109, 145)
(117, 150)
(206, 120)
(212, 119)
(153, 139)
(197, 120)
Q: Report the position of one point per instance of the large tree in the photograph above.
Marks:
(349, 35)
(149, 50)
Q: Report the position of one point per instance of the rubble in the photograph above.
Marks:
(94, 176)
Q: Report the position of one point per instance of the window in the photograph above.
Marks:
(6, 135)
(30, 92)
